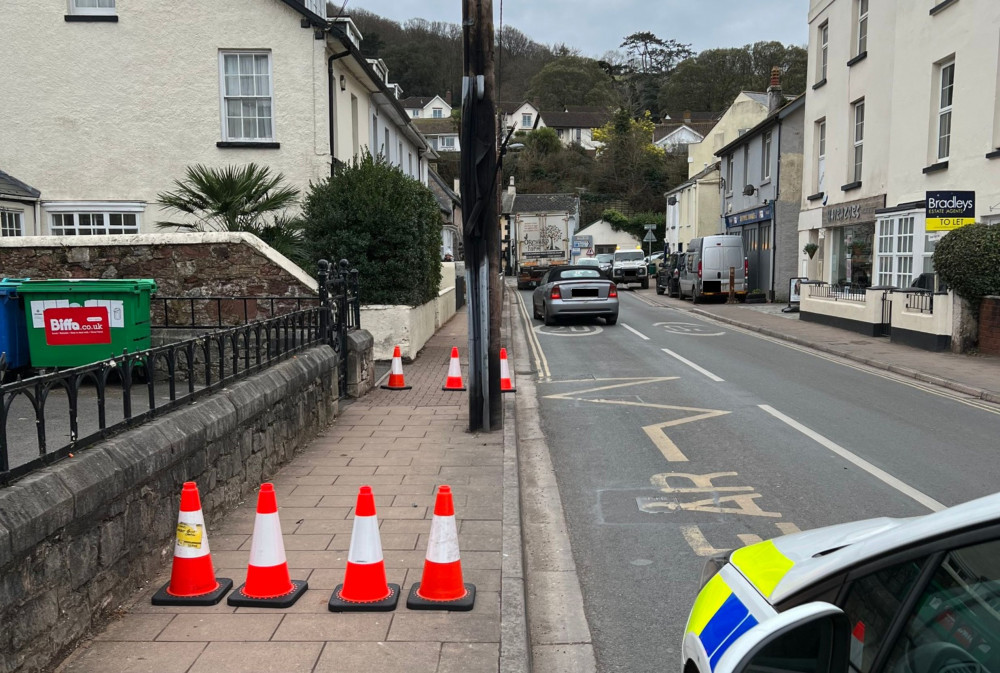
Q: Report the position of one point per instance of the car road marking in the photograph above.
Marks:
(880, 474)
(636, 332)
(693, 366)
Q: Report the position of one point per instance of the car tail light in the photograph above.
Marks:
(613, 292)
(699, 268)
(556, 294)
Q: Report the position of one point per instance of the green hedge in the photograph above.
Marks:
(968, 260)
(385, 223)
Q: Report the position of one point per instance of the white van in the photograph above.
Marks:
(707, 266)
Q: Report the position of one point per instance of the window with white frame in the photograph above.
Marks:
(415, 113)
(559, 133)
(824, 51)
(448, 142)
(437, 113)
(526, 119)
(579, 135)
(820, 155)
(11, 223)
(92, 7)
(247, 111)
(399, 154)
(386, 147)
(862, 27)
(729, 173)
(859, 139)
(93, 222)
(946, 88)
(765, 157)
(895, 251)
(746, 165)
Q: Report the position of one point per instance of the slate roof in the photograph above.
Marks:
(770, 120)
(544, 203)
(435, 127)
(510, 107)
(506, 203)
(446, 198)
(666, 128)
(14, 188)
(576, 119)
(416, 101)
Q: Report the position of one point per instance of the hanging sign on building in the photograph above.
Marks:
(761, 214)
(947, 211)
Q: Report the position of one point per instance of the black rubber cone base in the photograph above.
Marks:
(337, 604)
(384, 387)
(161, 597)
(239, 599)
(463, 604)
(509, 390)
(457, 390)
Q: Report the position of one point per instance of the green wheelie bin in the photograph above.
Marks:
(78, 322)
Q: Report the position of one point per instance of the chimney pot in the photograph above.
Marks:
(447, 97)
(775, 98)
(776, 76)
(687, 116)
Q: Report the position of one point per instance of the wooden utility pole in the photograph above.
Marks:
(480, 201)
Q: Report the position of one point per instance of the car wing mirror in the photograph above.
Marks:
(814, 637)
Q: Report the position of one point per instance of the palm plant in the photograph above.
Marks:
(236, 198)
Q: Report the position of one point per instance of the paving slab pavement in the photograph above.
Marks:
(403, 444)
(975, 375)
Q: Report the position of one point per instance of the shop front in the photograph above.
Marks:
(756, 226)
(849, 233)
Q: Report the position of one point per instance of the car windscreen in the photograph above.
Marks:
(629, 256)
(605, 258)
(590, 261)
(569, 274)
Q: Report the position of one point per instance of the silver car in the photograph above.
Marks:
(575, 291)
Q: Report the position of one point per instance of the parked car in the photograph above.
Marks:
(591, 262)
(707, 264)
(917, 595)
(575, 291)
(668, 274)
(605, 260)
(628, 267)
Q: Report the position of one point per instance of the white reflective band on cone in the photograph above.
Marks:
(504, 370)
(454, 369)
(397, 366)
(366, 547)
(191, 540)
(267, 548)
(443, 544)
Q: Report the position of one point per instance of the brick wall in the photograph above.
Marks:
(989, 326)
(221, 264)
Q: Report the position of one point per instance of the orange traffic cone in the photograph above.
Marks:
(505, 385)
(441, 587)
(268, 584)
(454, 381)
(192, 579)
(396, 380)
(364, 588)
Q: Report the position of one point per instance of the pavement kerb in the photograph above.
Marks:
(559, 636)
(916, 374)
(515, 648)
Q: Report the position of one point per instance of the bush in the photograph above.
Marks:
(968, 260)
(635, 225)
(387, 225)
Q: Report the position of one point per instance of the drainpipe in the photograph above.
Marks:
(330, 85)
(774, 217)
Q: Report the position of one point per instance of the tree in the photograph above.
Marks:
(713, 79)
(387, 224)
(629, 164)
(647, 63)
(571, 80)
(237, 198)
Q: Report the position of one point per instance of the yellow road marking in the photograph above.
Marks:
(787, 528)
(544, 374)
(699, 545)
(749, 538)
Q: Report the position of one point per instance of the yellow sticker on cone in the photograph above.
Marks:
(189, 535)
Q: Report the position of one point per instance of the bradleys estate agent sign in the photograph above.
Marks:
(947, 211)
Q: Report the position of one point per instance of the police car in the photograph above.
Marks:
(918, 595)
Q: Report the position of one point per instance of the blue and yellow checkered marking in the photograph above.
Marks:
(719, 618)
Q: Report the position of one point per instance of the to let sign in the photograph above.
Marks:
(77, 326)
(947, 211)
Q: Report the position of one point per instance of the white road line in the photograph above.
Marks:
(636, 332)
(880, 474)
(693, 365)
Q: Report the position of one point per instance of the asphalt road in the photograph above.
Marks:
(773, 438)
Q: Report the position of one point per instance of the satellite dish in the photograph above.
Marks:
(749, 190)
(672, 201)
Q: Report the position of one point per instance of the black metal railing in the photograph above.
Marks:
(105, 397)
(919, 300)
(84, 405)
(837, 292)
(220, 312)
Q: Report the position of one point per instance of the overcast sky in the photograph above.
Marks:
(597, 26)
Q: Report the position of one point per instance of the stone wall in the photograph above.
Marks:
(78, 539)
(210, 264)
(989, 326)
